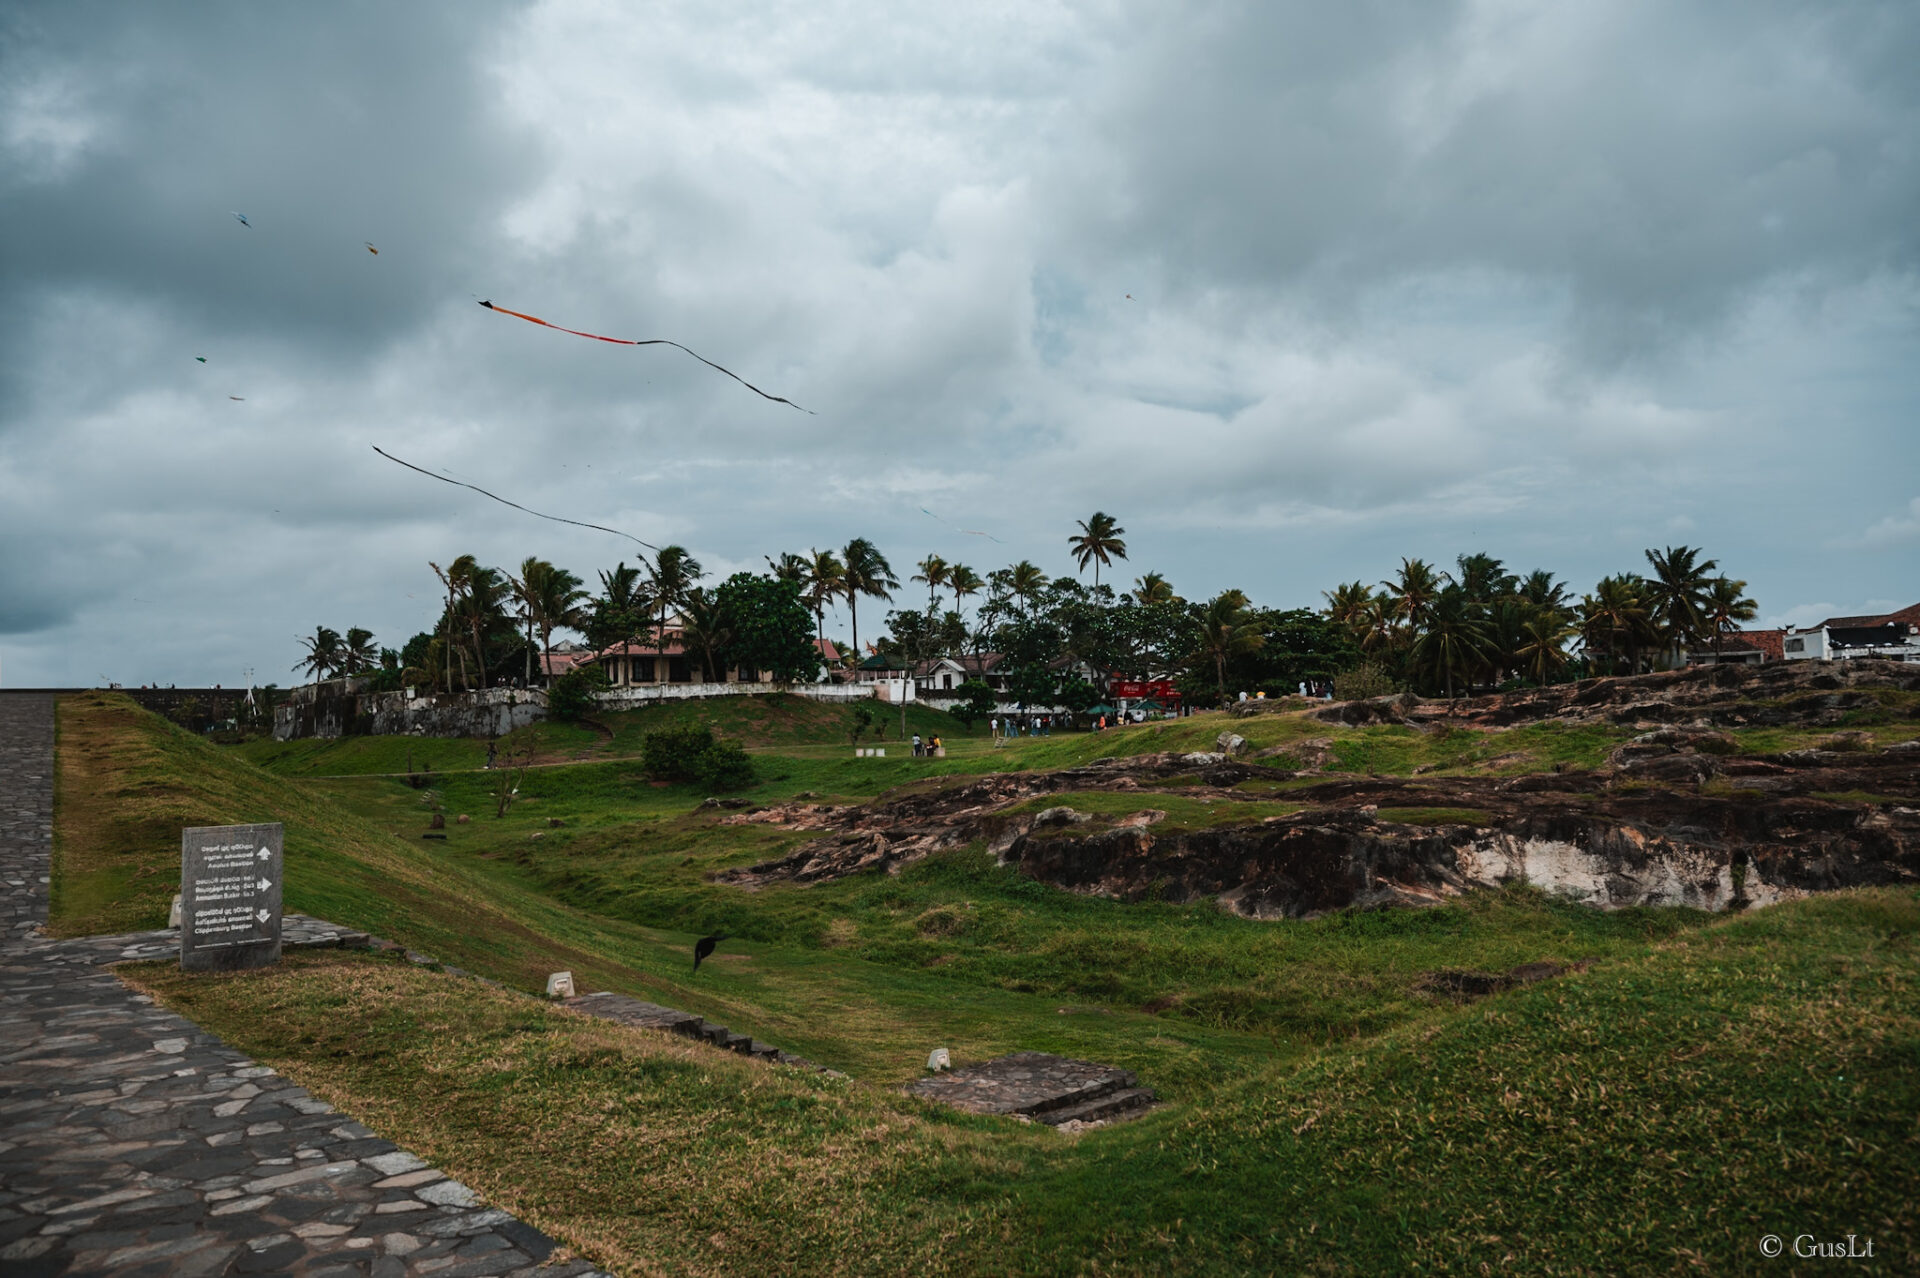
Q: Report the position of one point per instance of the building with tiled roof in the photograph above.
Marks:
(1893, 636)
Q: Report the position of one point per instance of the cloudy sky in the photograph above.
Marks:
(1293, 290)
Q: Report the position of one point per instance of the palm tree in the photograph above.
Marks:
(1676, 594)
(675, 574)
(824, 580)
(446, 577)
(323, 653)
(963, 582)
(1413, 593)
(1374, 628)
(1348, 604)
(1543, 645)
(1097, 541)
(1726, 607)
(1025, 581)
(1152, 588)
(1484, 578)
(933, 571)
(869, 574)
(358, 651)
(552, 598)
(788, 567)
(483, 600)
(1540, 590)
(705, 631)
(1227, 631)
(1615, 617)
(1454, 639)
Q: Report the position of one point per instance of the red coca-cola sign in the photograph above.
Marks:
(1142, 689)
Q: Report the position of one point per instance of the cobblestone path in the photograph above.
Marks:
(132, 1142)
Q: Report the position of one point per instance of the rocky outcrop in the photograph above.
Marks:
(1671, 825)
(1778, 694)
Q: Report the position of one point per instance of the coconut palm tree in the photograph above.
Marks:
(1152, 588)
(1540, 590)
(1484, 578)
(1348, 604)
(483, 600)
(675, 574)
(1542, 649)
(1098, 542)
(705, 631)
(964, 582)
(448, 580)
(824, 580)
(323, 653)
(1413, 592)
(357, 651)
(1615, 619)
(933, 572)
(1726, 607)
(552, 598)
(1676, 594)
(869, 574)
(1025, 582)
(1454, 639)
(1227, 630)
(788, 567)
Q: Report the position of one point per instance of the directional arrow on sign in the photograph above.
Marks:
(265, 884)
(265, 853)
(263, 915)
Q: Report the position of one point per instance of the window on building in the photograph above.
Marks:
(642, 668)
(1796, 645)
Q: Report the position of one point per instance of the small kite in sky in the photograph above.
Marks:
(649, 341)
(461, 483)
(370, 248)
(201, 358)
(242, 219)
(238, 398)
(971, 532)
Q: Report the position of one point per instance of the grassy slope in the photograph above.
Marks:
(1656, 1114)
(127, 782)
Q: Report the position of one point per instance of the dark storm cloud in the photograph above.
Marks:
(1657, 161)
(327, 125)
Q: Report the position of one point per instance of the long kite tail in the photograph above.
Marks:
(459, 483)
(649, 341)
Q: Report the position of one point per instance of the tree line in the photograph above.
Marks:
(1431, 631)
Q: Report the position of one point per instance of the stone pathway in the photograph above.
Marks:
(134, 1143)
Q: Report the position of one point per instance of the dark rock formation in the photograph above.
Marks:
(1778, 694)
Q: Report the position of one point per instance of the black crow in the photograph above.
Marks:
(703, 947)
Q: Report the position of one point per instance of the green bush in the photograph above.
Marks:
(571, 695)
(692, 755)
(1363, 682)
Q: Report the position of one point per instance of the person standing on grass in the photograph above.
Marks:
(916, 745)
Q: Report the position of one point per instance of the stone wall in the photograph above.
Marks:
(647, 694)
(346, 708)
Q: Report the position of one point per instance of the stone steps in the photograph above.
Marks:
(1128, 1102)
(627, 1010)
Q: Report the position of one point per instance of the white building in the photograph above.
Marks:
(1894, 636)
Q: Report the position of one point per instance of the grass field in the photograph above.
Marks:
(1705, 1081)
